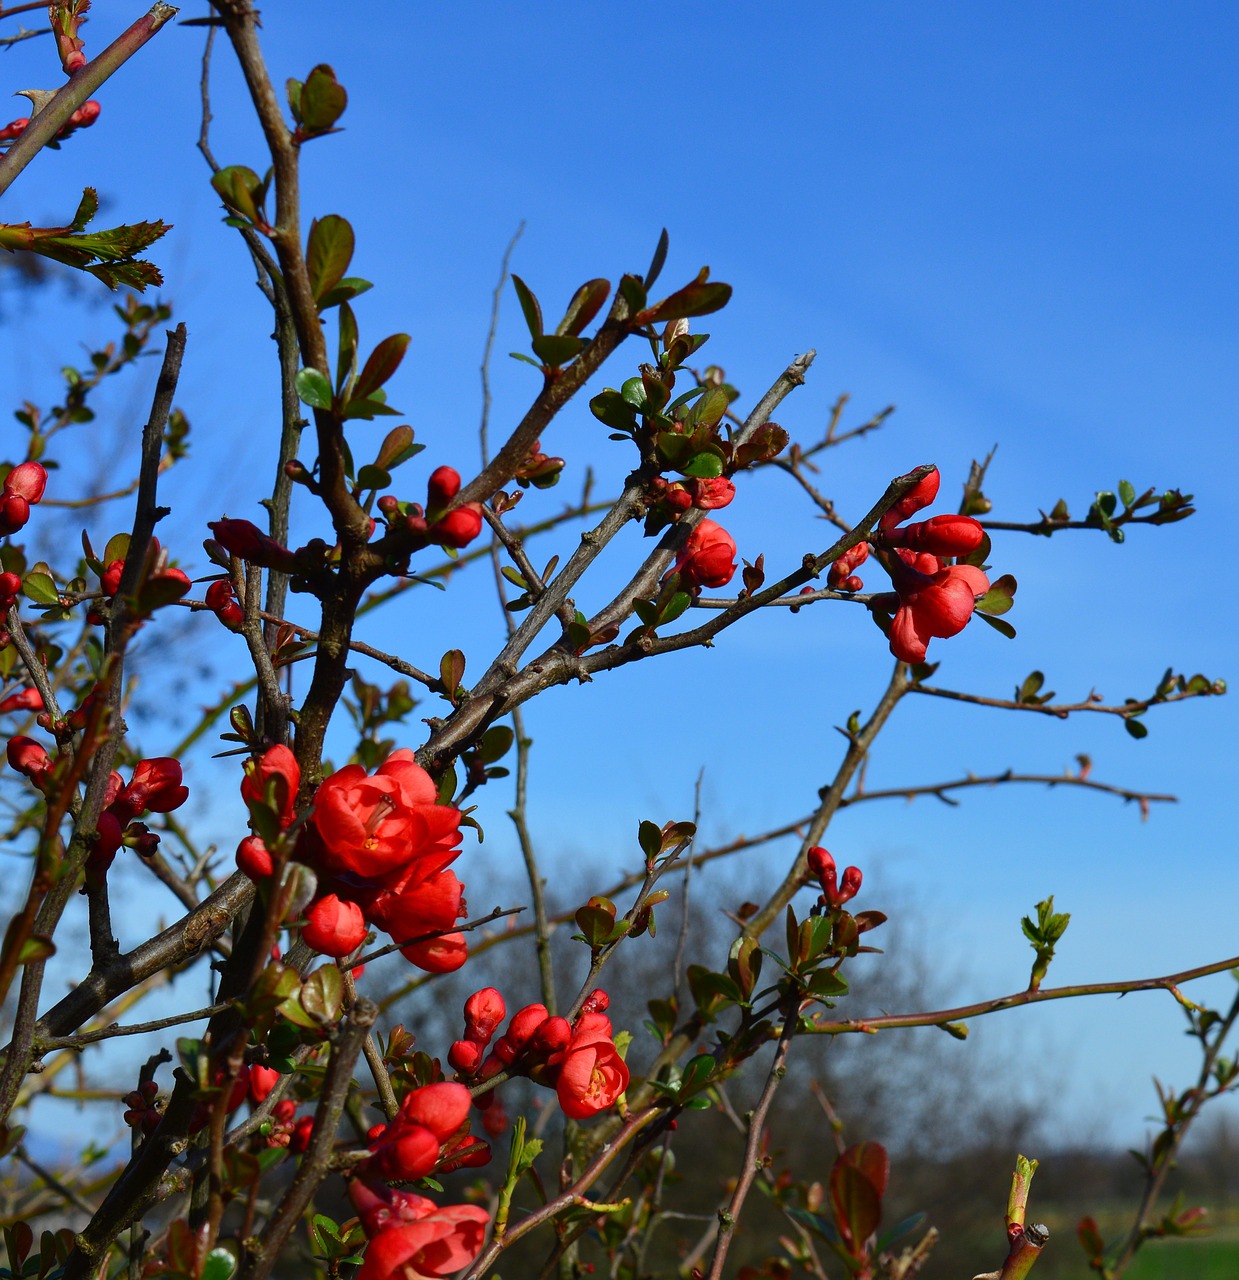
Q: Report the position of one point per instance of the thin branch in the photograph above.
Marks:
(84, 1038)
(882, 1022)
(1061, 710)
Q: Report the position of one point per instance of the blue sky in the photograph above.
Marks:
(1015, 223)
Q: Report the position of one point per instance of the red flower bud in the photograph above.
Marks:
(334, 926)
(947, 535)
(465, 1056)
(438, 955)
(30, 758)
(484, 1011)
(711, 494)
(459, 528)
(27, 480)
(254, 859)
(442, 487)
(524, 1024)
(221, 599)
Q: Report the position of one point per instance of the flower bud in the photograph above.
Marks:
(334, 926)
(254, 858)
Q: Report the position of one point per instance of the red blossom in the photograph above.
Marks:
(23, 487)
(442, 487)
(933, 601)
(272, 782)
(918, 497)
(221, 599)
(384, 825)
(261, 1081)
(459, 527)
(710, 494)
(440, 1244)
(154, 788)
(708, 558)
(438, 955)
(591, 1072)
(484, 1011)
(23, 700)
(822, 865)
(946, 535)
(245, 539)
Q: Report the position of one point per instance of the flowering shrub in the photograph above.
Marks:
(327, 858)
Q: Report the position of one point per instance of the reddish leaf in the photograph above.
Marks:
(384, 361)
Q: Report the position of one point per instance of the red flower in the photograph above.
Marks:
(591, 1072)
(408, 1148)
(244, 539)
(23, 487)
(445, 954)
(30, 758)
(822, 865)
(222, 601)
(334, 926)
(261, 1081)
(710, 495)
(919, 496)
(939, 536)
(23, 700)
(382, 825)
(442, 487)
(440, 1244)
(933, 601)
(707, 559)
(154, 788)
(272, 782)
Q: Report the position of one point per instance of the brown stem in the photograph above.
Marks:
(315, 1163)
(46, 124)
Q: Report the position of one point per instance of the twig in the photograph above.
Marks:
(315, 1163)
(84, 1038)
(883, 1022)
(730, 1217)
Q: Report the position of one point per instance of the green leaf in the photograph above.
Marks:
(346, 359)
(219, 1265)
(660, 257)
(613, 410)
(585, 305)
(322, 100)
(322, 994)
(708, 465)
(345, 291)
(1000, 625)
(650, 838)
(372, 477)
(554, 350)
(384, 361)
(529, 305)
(313, 388)
(696, 299)
(1135, 727)
(40, 588)
(1000, 596)
(238, 187)
(36, 948)
(1127, 493)
(329, 250)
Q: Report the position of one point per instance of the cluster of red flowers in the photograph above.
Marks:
(380, 845)
(435, 523)
(155, 787)
(932, 597)
(82, 118)
(577, 1059)
(161, 583)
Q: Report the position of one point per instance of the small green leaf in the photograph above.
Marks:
(1001, 625)
(1135, 727)
(384, 361)
(329, 250)
(529, 305)
(708, 465)
(585, 305)
(322, 100)
(219, 1265)
(696, 299)
(372, 477)
(660, 257)
(313, 388)
(1127, 493)
(554, 350)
